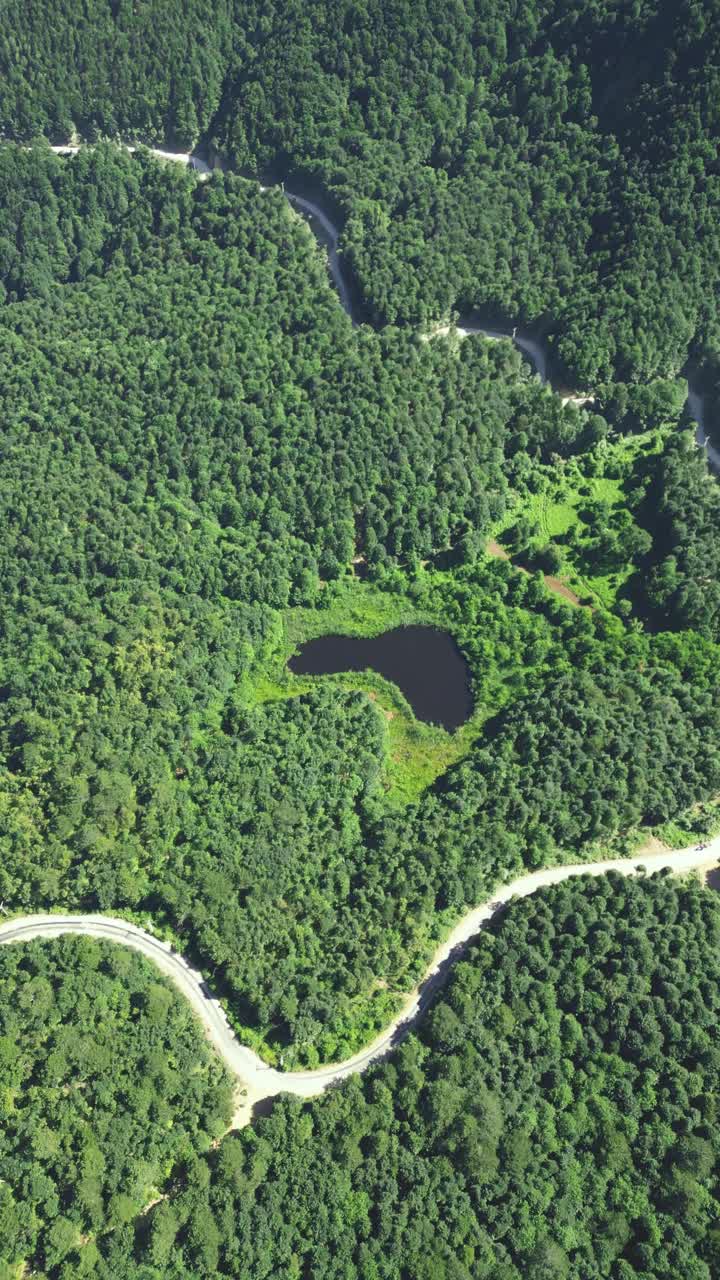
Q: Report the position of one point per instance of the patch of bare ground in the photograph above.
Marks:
(650, 844)
(494, 549)
(556, 585)
(561, 589)
(389, 715)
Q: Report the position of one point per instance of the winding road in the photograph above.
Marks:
(329, 235)
(261, 1082)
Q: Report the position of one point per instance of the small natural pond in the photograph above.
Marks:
(424, 663)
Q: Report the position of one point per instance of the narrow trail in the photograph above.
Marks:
(262, 1082)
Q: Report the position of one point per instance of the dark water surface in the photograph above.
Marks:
(424, 663)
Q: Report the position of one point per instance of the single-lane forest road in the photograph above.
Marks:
(465, 327)
(261, 1081)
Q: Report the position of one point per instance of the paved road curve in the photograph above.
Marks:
(262, 1081)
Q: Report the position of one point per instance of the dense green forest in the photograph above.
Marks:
(196, 442)
(106, 1088)
(554, 1118)
(152, 70)
(684, 511)
(553, 162)
(201, 455)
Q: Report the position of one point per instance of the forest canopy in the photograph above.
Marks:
(107, 1085)
(550, 162)
(553, 1118)
(200, 453)
(196, 442)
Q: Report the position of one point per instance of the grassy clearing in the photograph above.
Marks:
(561, 511)
(354, 608)
(574, 503)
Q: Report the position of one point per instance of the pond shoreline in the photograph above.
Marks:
(424, 662)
